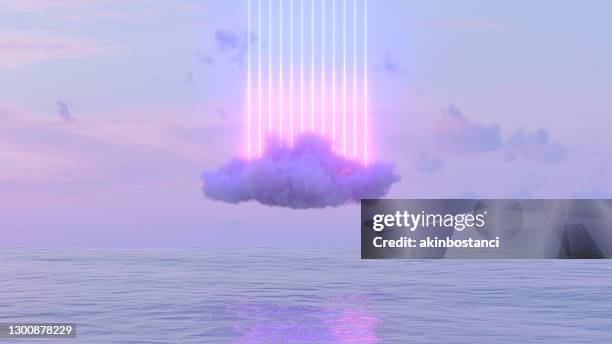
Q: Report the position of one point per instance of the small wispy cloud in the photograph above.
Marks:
(64, 111)
(227, 40)
(456, 134)
(391, 66)
(233, 43)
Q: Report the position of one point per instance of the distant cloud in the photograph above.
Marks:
(234, 44)
(427, 163)
(535, 147)
(226, 40)
(204, 58)
(63, 110)
(454, 133)
(391, 66)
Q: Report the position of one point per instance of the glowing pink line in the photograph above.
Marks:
(312, 71)
(280, 70)
(344, 79)
(259, 77)
(249, 82)
(270, 67)
(365, 82)
(302, 66)
(354, 78)
(334, 73)
(323, 67)
(291, 69)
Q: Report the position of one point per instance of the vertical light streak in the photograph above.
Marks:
(354, 78)
(291, 70)
(256, 133)
(312, 71)
(365, 82)
(323, 67)
(333, 73)
(301, 66)
(344, 77)
(269, 67)
(280, 70)
(249, 82)
(259, 78)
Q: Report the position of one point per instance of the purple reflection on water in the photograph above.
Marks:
(354, 326)
(266, 323)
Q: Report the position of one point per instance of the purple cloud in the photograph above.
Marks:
(391, 66)
(63, 110)
(454, 133)
(234, 44)
(309, 175)
(535, 147)
(227, 40)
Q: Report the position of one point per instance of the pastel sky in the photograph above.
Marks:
(110, 110)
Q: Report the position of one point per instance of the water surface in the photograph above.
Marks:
(303, 296)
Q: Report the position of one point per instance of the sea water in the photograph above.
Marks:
(303, 296)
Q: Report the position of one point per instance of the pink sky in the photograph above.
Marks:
(149, 101)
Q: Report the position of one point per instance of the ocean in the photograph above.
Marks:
(303, 296)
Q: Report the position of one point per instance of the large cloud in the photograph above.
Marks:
(309, 175)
